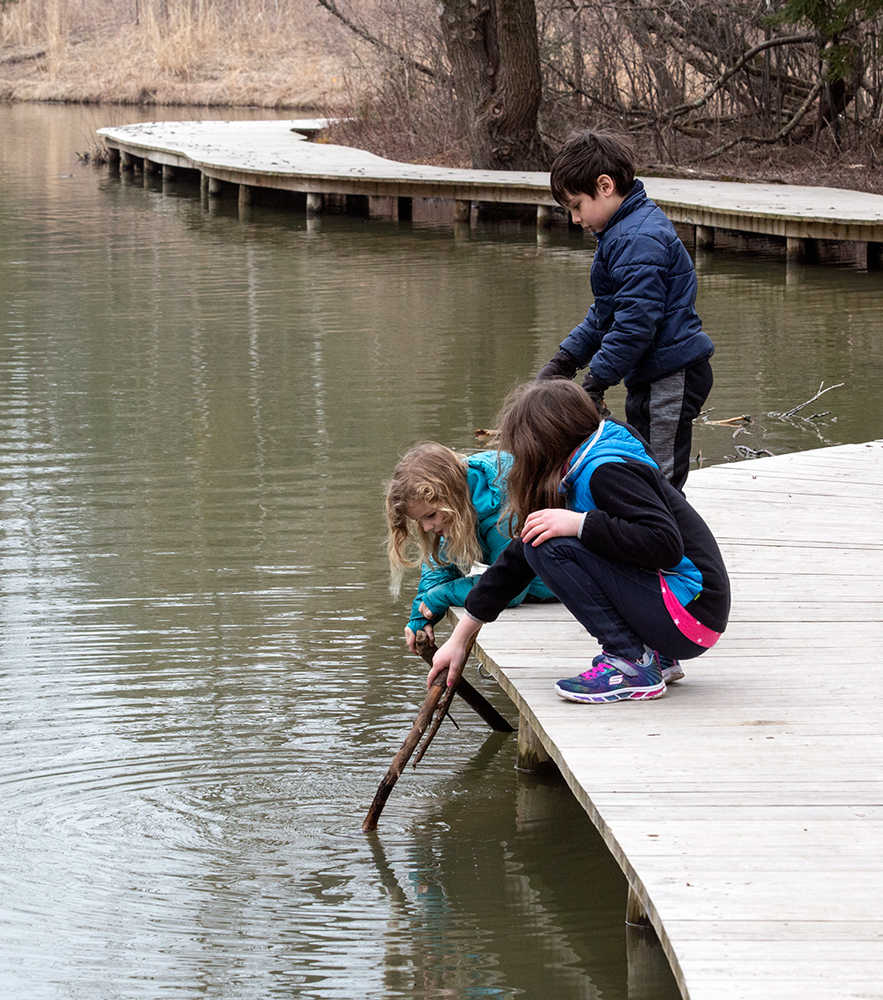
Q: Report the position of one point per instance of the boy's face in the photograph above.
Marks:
(594, 211)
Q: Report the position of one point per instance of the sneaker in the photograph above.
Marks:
(671, 669)
(613, 678)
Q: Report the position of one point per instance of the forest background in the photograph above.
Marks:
(769, 90)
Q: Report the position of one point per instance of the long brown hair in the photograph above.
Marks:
(436, 476)
(540, 425)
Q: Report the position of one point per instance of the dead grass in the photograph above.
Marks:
(262, 53)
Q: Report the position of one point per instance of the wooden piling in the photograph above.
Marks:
(531, 755)
(462, 211)
(703, 237)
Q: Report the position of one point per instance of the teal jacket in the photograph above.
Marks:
(443, 587)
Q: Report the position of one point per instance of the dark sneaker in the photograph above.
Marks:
(671, 669)
(613, 678)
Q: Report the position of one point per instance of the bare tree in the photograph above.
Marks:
(493, 51)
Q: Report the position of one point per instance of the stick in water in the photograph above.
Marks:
(437, 691)
(471, 695)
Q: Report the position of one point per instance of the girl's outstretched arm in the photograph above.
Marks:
(453, 654)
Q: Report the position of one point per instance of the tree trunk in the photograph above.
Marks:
(495, 62)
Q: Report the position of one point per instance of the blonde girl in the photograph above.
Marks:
(443, 512)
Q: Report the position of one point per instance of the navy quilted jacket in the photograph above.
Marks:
(643, 323)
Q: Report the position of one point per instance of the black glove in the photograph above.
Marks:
(563, 365)
(596, 389)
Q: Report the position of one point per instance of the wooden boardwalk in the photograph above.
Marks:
(249, 155)
(746, 806)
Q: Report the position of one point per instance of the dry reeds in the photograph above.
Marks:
(266, 53)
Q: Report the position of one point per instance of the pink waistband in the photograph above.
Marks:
(691, 627)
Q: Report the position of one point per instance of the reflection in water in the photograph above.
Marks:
(203, 678)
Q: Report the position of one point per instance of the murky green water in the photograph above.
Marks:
(202, 678)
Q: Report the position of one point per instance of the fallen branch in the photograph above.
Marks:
(439, 696)
(472, 696)
(424, 716)
(821, 392)
(747, 452)
(730, 421)
(786, 129)
(440, 714)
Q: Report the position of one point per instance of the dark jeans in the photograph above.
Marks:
(619, 604)
(663, 413)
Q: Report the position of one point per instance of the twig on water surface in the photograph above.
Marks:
(821, 392)
(747, 452)
(743, 418)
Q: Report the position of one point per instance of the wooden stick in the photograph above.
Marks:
(471, 695)
(439, 696)
(443, 705)
(424, 717)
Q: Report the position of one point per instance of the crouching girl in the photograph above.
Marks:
(447, 507)
(592, 516)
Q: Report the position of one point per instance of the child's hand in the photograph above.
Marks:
(553, 522)
(411, 638)
(452, 656)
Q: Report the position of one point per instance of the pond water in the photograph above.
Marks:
(203, 679)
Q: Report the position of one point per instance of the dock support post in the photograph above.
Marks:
(214, 187)
(382, 207)
(544, 216)
(246, 195)
(649, 973)
(462, 211)
(635, 914)
(875, 256)
(168, 172)
(315, 203)
(113, 159)
(703, 237)
(798, 248)
(203, 186)
(127, 161)
(531, 755)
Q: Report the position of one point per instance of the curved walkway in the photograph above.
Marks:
(273, 154)
(746, 806)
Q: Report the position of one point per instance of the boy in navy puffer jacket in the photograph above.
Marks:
(642, 328)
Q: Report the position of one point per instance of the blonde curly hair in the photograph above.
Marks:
(434, 475)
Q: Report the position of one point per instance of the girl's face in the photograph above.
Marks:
(430, 520)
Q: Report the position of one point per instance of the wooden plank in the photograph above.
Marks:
(746, 806)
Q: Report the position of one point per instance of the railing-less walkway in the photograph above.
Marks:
(745, 806)
(274, 154)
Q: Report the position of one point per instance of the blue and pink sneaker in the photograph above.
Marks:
(671, 669)
(613, 678)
